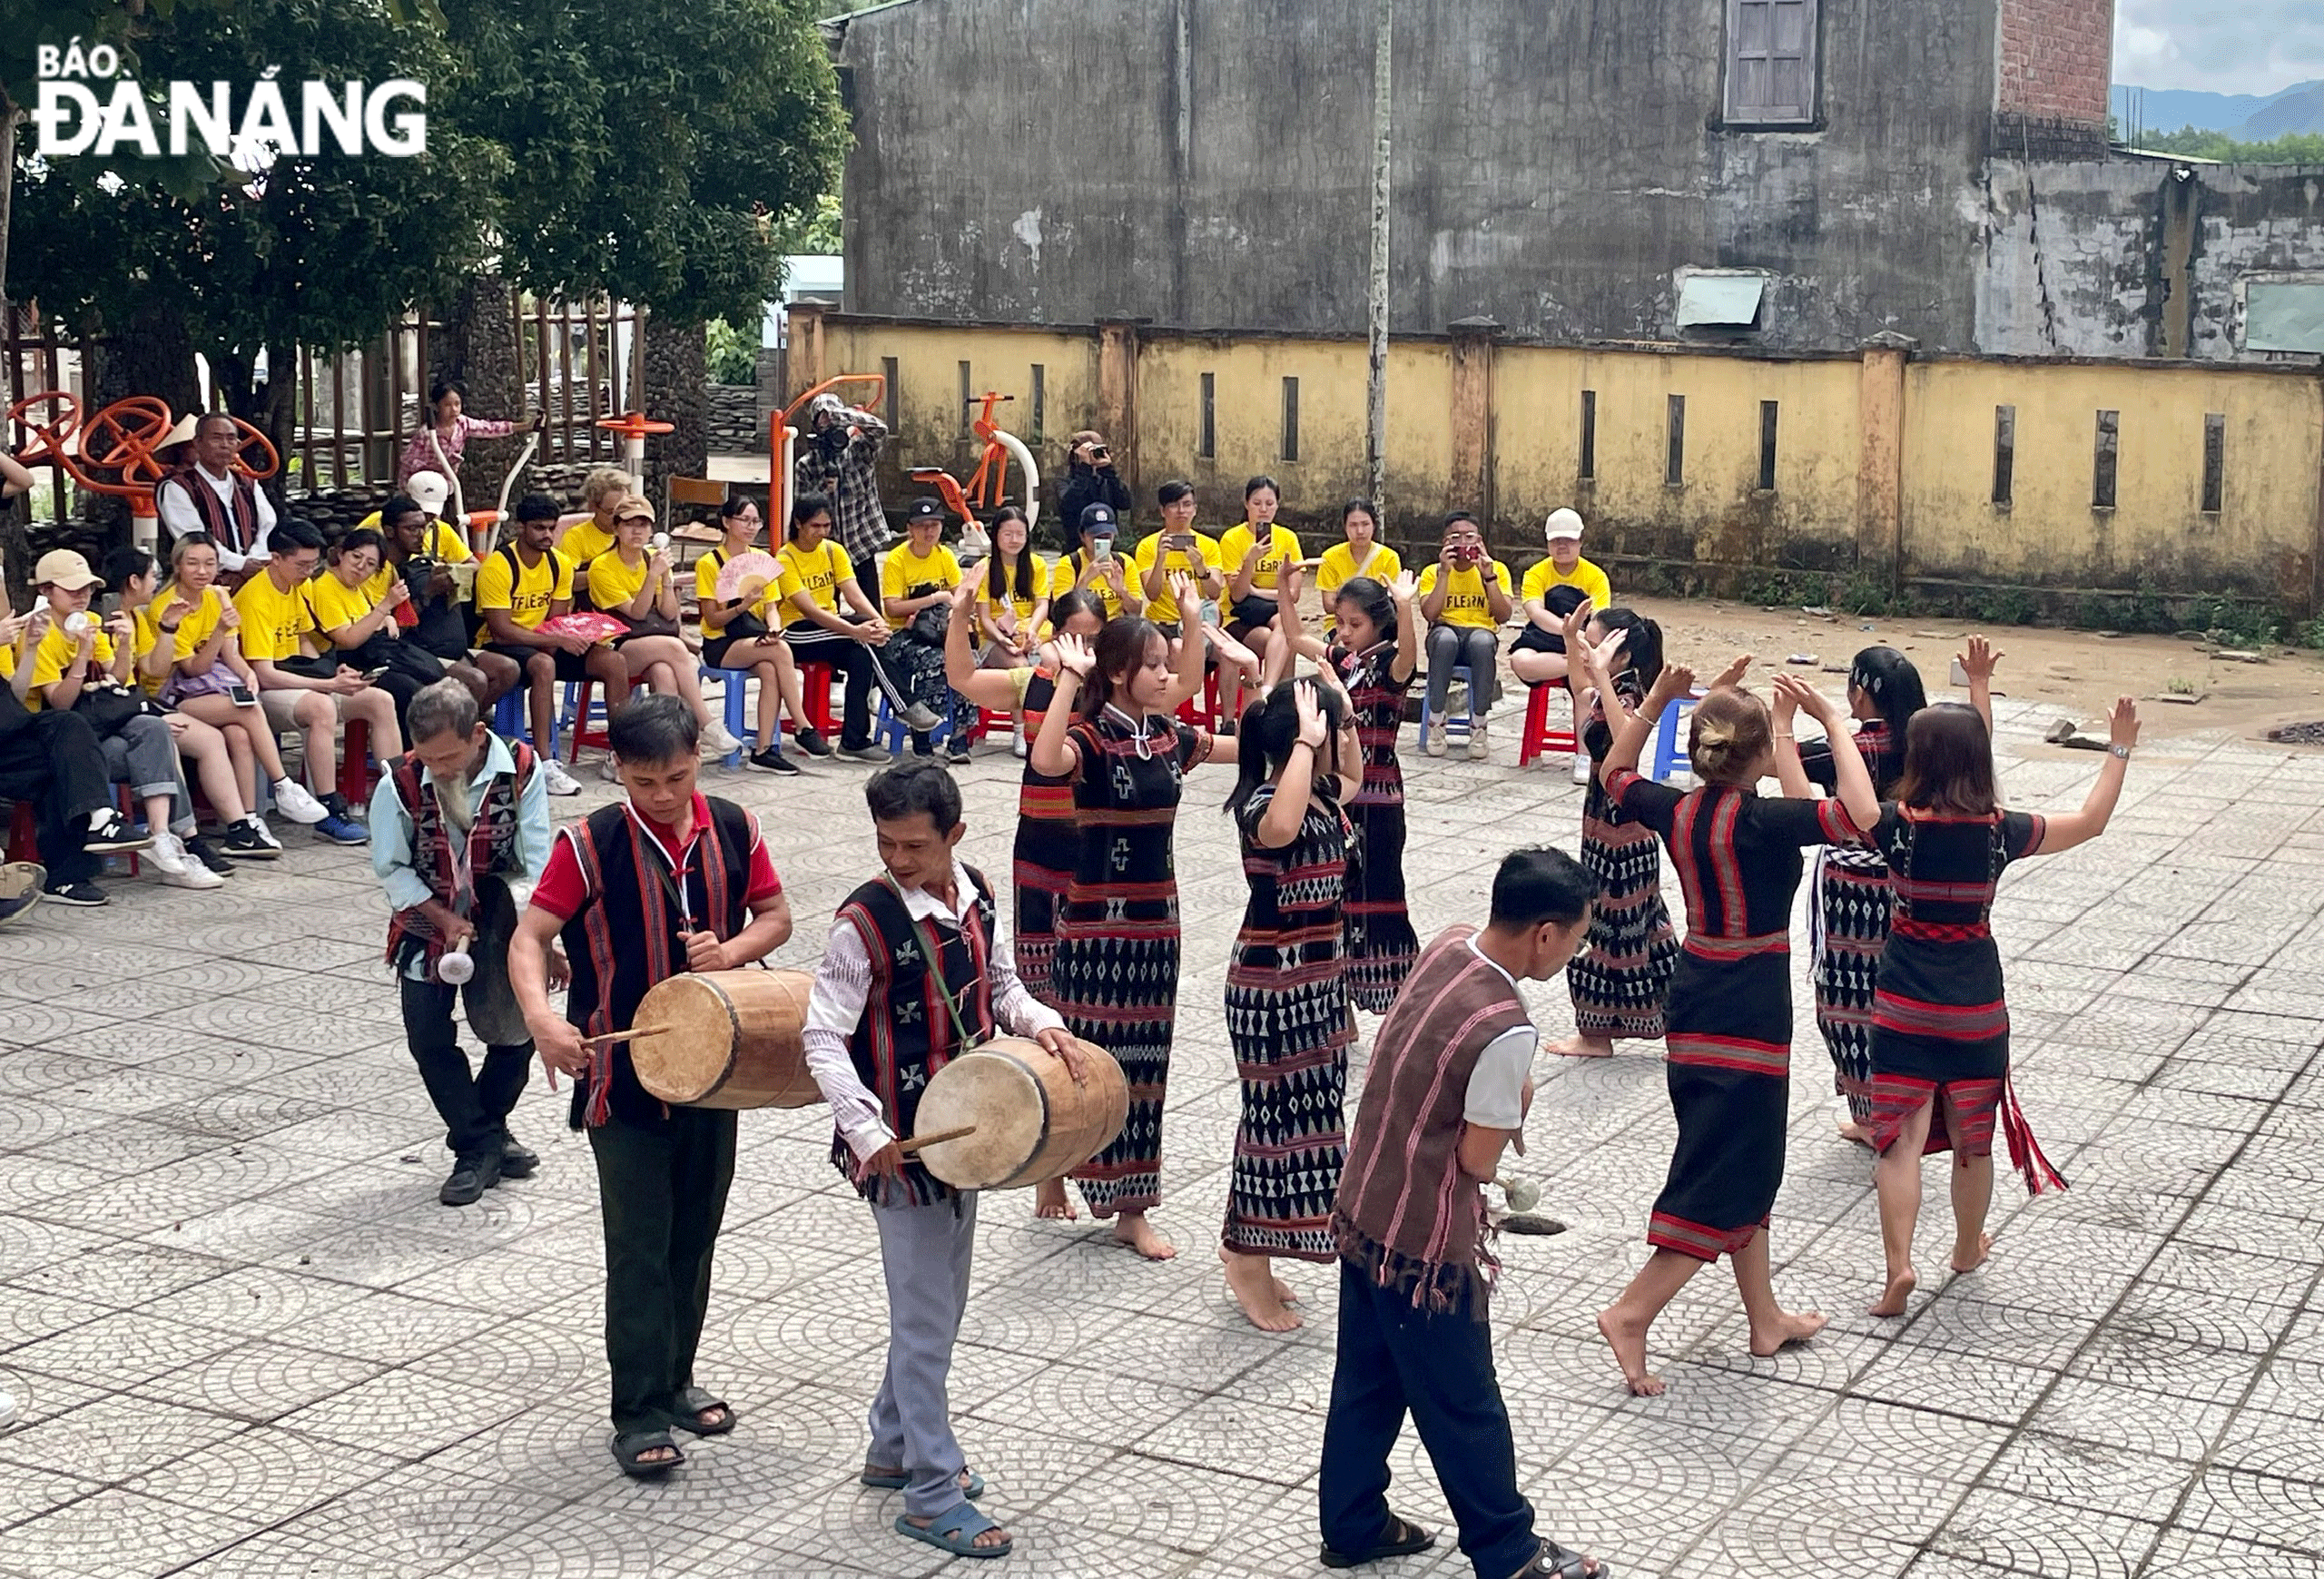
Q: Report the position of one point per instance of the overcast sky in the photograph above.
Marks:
(2229, 46)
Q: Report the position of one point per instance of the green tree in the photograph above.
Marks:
(2291, 148)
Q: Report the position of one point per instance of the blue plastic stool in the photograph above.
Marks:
(508, 714)
(1466, 721)
(1670, 756)
(737, 684)
(889, 730)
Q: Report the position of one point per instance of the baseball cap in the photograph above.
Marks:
(630, 508)
(429, 491)
(1098, 517)
(1562, 525)
(924, 509)
(64, 568)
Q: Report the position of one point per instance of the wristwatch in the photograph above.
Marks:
(2121, 751)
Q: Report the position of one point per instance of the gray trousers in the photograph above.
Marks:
(1449, 645)
(144, 754)
(925, 1251)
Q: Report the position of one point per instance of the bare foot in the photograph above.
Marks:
(1852, 1130)
(1050, 1200)
(1254, 1288)
(1626, 1338)
(1900, 1288)
(1985, 1248)
(1789, 1327)
(1580, 1046)
(1131, 1229)
(1284, 1292)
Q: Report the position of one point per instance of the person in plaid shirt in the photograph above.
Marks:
(836, 456)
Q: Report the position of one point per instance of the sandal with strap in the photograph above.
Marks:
(693, 1402)
(971, 1483)
(1403, 1538)
(630, 1450)
(1555, 1562)
(956, 1530)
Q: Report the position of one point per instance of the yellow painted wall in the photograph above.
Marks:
(2260, 542)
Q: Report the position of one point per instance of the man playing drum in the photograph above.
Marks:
(641, 890)
(915, 973)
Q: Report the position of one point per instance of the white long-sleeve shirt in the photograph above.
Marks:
(180, 516)
(843, 984)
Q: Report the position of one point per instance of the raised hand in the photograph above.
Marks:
(230, 617)
(1403, 589)
(1073, 655)
(1311, 717)
(2123, 724)
(1732, 675)
(1183, 592)
(1786, 701)
(1578, 621)
(1599, 659)
(1676, 680)
(1979, 661)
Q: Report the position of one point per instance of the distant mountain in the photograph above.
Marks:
(2247, 116)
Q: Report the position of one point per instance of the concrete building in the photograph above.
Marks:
(1796, 175)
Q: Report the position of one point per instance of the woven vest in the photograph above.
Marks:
(492, 846)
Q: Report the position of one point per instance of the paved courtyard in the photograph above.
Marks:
(247, 1342)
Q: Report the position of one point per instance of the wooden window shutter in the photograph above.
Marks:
(1771, 62)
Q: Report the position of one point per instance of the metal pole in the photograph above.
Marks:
(1376, 446)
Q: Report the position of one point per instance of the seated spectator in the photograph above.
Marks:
(1362, 554)
(420, 551)
(735, 637)
(205, 494)
(1098, 567)
(1012, 606)
(86, 665)
(818, 582)
(1464, 598)
(1254, 555)
(631, 582)
(582, 538)
(363, 633)
(300, 690)
(1554, 587)
(208, 678)
(53, 761)
(520, 584)
(1178, 549)
(916, 582)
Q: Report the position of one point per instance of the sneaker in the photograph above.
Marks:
(1581, 767)
(867, 752)
(607, 771)
(810, 741)
(251, 840)
(168, 855)
(517, 1162)
(472, 1177)
(957, 753)
(1432, 739)
(205, 850)
(75, 894)
(20, 886)
(716, 742)
(772, 760)
(920, 717)
(342, 830)
(1478, 750)
(110, 836)
(298, 802)
(338, 805)
(558, 781)
(1016, 748)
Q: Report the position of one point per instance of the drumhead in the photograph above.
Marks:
(692, 1050)
(999, 1094)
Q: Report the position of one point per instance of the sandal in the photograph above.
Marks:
(971, 1487)
(695, 1402)
(630, 1450)
(956, 1531)
(1404, 1538)
(1554, 1562)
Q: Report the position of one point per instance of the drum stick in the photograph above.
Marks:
(611, 1037)
(917, 1142)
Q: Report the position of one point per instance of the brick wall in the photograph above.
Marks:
(2057, 59)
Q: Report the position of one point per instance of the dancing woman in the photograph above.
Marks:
(1940, 1024)
(1620, 980)
(1115, 974)
(1729, 1040)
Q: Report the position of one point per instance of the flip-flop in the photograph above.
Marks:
(956, 1531)
(972, 1488)
(692, 1402)
(1404, 1538)
(628, 1449)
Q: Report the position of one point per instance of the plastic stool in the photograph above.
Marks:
(355, 764)
(737, 684)
(815, 680)
(580, 706)
(1670, 756)
(888, 732)
(508, 714)
(1467, 720)
(24, 833)
(1207, 714)
(1539, 738)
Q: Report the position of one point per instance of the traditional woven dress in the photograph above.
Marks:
(1940, 1027)
(1729, 1065)
(1288, 1017)
(1048, 843)
(1115, 973)
(1381, 942)
(1849, 915)
(1620, 978)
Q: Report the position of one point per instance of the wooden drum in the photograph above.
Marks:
(726, 1039)
(1032, 1123)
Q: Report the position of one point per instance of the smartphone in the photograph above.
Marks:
(371, 677)
(1102, 549)
(109, 604)
(240, 694)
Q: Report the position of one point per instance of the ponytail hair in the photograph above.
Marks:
(1270, 728)
(1890, 678)
(1642, 653)
(1728, 738)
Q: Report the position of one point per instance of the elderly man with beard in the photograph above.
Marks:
(455, 820)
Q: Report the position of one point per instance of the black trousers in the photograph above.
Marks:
(662, 1191)
(860, 669)
(474, 1106)
(54, 760)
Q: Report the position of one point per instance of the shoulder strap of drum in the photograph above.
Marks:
(933, 959)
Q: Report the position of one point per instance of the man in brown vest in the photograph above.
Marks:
(206, 494)
(1449, 1088)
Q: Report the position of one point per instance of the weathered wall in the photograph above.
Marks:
(1207, 164)
(2056, 68)
(1842, 446)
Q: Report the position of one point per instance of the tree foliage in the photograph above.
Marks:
(2292, 148)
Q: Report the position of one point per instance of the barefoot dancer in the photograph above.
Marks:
(1729, 1041)
(1621, 982)
(1287, 993)
(1115, 976)
(1940, 1027)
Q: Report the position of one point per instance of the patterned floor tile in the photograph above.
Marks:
(119, 1534)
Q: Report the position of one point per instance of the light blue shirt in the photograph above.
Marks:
(392, 831)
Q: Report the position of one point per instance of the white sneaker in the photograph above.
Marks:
(607, 771)
(1017, 747)
(1478, 750)
(716, 742)
(1432, 739)
(179, 871)
(558, 781)
(1581, 767)
(296, 802)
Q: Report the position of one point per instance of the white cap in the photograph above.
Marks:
(1562, 525)
(429, 491)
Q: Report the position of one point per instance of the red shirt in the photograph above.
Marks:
(563, 893)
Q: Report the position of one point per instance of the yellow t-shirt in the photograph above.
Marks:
(1162, 607)
(272, 619)
(1282, 546)
(441, 542)
(705, 592)
(1338, 568)
(1464, 594)
(336, 604)
(527, 591)
(196, 625)
(817, 573)
(1068, 570)
(56, 652)
(1588, 577)
(584, 540)
(903, 570)
(1038, 571)
(613, 583)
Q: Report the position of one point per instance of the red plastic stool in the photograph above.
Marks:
(24, 833)
(355, 763)
(581, 734)
(815, 687)
(1206, 715)
(1539, 737)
